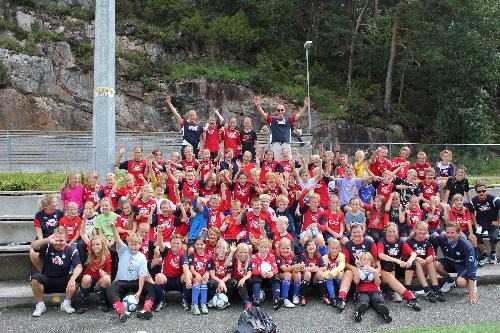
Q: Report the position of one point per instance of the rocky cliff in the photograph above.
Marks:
(50, 84)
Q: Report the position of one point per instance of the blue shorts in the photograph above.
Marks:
(493, 233)
(452, 267)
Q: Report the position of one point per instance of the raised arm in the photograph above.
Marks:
(119, 155)
(303, 109)
(256, 100)
(177, 116)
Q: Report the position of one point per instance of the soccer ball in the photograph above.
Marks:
(313, 230)
(130, 303)
(220, 301)
(365, 275)
(266, 267)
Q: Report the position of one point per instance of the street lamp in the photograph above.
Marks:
(307, 46)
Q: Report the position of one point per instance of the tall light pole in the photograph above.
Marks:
(307, 46)
(103, 119)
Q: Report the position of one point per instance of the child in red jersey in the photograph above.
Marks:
(404, 153)
(367, 279)
(421, 164)
(175, 274)
(246, 164)
(264, 268)
(126, 223)
(280, 233)
(377, 219)
(334, 268)
(190, 186)
(97, 274)
(240, 265)
(312, 228)
(267, 212)
(109, 190)
(210, 138)
(312, 272)
(168, 220)
(199, 264)
(91, 191)
(231, 138)
(424, 263)
(333, 219)
(254, 222)
(72, 222)
(267, 163)
(206, 164)
(287, 164)
(428, 187)
(144, 205)
(274, 186)
(413, 215)
(289, 270)
(434, 212)
(219, 274)
(213, 236)
(463, 217)
(130, 190)
(136, 166)
(242, 188)
(379, 161)
(340, 170)
(189, 162)
(231, 227)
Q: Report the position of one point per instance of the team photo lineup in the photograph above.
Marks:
(226, 221)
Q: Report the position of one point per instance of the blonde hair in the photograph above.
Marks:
(367, 255)
(263, 241)
(44, 202)
(134, 238)
(265, 196)
(143, 190)
(333, 241)
(70, 174)
(283, 242)
(282, 219)
(282, 198)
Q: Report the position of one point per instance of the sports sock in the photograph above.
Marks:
(85, 294)
(285, 288)
(408, 295)
(102, 295)
(148, 304)
(322, 288)
(303, 287)
(331, 287)
(276, 289)
(118, 306)
(160, 291)
(256, 291)
(296, 288)
(323, 250)
(195, 293)
(343, 295)
(203, 293)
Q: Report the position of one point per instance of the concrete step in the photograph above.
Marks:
(20, 203)
(16, 229)
(15, 263)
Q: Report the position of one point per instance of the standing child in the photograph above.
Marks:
(102, 221)
(72, 190)
(210, 138)
(248, 138)
(289, 270)
(333, 219)
(334, 268)
(72, 222)
(130, 190)
(136, 166)
(360, 163)
(231, 138)
(199, 264)
(421, 164)
(96, 275)
(367, 280)
(444, 170)
(91, 191)
(231, 227)
(131, 277)
(264, 268)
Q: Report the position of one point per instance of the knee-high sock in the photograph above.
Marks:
(85, 294)
(285, 288)
(256, 291)
(330, 285)
(160, 292)
(276, 289)
(195, 293)
(296, 288)
(203, 293)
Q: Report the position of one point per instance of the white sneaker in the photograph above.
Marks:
(39, 309)
(475, 286)
(396, 297)
(447, 286)
(296, 300)
(288, 304)
(210, 303)
(419, 292)
(66, 307)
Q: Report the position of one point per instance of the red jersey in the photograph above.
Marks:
(232, 230)
(242, 193)
(200, 263)
(378, 166)
(396, 163)
(420, 169)
(385, 190)
(266, 167)
(366, 286)
(206, 193)
(257, 261)
(461, 216)
(428, 190)
(287, 262)
(434, 221)
(188, 190)
(94, 268)
(277, 238)
(72, 226)
(333, 220)
(292, 194)
(253, 223)
(239, 270)
(316, 260)
(144, 208)
(189, 165)
(113, 195)
(341, 171)
(212, 140)
(92, 194)
(415, 216)
(172, 263)
(322, 190)
(136, 168)
(231, 139)
(210, 248)
(123, 221)
(128, 191)
(287, 166)
(220, 268)
(144, 249)
(215, 218)
(205, 167)
(169, 223)
(332, 262)
(273, 193)
(376, 221)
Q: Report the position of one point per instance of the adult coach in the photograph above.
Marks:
(61, 267)
(191, 128)
(458, 257)
(486, 209)
(280, 126)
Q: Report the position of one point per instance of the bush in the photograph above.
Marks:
(4, 76)
(21, 181)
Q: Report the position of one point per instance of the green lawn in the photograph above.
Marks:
(491, 327)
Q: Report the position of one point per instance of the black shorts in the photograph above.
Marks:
(452, 267)
(493, 233)
(52, 284)
(173, 283)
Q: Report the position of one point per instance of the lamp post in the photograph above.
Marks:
(307, 46)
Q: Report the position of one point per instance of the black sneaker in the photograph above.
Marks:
(334, 302)
(387, 318)
(414, 304)
(431, 297)
(124, 316)
(185, 305)
(439, 296)
(340, 304)
(278, 303)
(144, 314)
(83, 308)
(159, 306)
(358, 316)
(104, 306)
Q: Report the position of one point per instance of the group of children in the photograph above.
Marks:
(237, 221)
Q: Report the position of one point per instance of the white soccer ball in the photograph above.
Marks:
(313, 230)
(220, 301)
(365, 275)
(266, 267)
(130, 303)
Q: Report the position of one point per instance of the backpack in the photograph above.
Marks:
(254, 320)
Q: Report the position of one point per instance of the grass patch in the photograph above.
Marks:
(71, 10)
(24, 181)
(84, 55)
(491, 327)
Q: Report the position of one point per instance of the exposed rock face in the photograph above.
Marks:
(50, 92)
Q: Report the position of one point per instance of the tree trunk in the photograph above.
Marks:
(392, 60)
(353, 43)
(375, 12)
(401, 86)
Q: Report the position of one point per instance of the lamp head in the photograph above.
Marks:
(308, 44)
